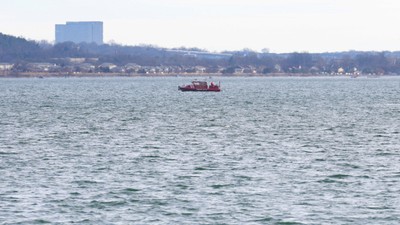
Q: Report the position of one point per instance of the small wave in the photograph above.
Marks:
(152, 147)
(265, 219)
(129, 190)
(8, 153)
(364, 177)
(182, 186)
(385, 154)
(40, 221)
(46, 106)
(391, 105)
(131, 119)
(328, 181)
(381, 135)
(350, 165)
(150, 156)
(339, 176)
(84, 221)
(288, 223)
(320, 160)
(243, 177)
(200, 168)
(219, 186)
(85, 182)
(379, 207)
(104, 204)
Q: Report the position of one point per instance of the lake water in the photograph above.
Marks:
(138, 151)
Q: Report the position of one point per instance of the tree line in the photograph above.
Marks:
(18, 50)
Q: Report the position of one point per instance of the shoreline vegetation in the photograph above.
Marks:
(205, 75)
(22, 58)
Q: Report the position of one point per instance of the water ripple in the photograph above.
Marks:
(137, 151)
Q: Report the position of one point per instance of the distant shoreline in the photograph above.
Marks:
(96, 75)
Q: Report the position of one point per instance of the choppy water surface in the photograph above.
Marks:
(138, 151)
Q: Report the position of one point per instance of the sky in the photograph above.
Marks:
(218, 25)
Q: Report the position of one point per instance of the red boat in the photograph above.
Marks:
(200, 86)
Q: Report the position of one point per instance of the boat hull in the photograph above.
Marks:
(203, 90)
(200, 86)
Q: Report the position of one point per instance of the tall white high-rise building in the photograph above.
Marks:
(78, 32)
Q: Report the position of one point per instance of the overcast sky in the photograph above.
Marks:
(216, 25)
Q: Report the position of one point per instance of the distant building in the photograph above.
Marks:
(78, 32)
(203, 55)
(6, 66)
